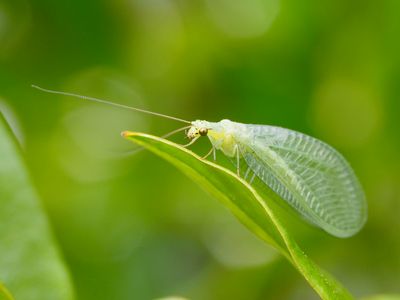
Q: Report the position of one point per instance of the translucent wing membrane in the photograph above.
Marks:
(310, 175)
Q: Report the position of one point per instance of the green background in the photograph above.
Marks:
(132, 227)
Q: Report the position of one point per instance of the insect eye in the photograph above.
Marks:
(203, 131)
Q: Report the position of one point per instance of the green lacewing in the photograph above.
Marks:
(307, 173)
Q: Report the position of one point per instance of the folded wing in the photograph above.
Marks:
(310, 175)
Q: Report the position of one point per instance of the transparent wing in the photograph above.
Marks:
(310, 175)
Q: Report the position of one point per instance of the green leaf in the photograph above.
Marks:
(383, 297)
(172, 298)
(30, 265)
(258, 213)
(5, 294)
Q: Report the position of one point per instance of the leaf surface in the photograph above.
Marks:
(259, 214)
(30, 265)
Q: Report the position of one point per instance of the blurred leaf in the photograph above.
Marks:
(5, 294)
(172, 298)
(30, 265)
(248, 206)
(383, 297)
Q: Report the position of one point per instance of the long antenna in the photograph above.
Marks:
(109, 103)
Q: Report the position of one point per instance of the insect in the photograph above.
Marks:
(307, 173)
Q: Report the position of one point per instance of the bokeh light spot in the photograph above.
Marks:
(347, 113)
(233, 245)
(12, 121)
(15, 18)
(94, 128)
(242, 19)
(158, 37)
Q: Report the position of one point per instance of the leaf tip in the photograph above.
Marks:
(126, 134)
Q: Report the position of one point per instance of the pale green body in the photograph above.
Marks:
(310, 175)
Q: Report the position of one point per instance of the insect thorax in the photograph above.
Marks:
(221, 134)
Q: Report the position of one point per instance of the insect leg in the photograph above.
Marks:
(191, 142)
(139, 149)
(175, 131)
(209, 152)
(252, 178)
(237, 160)
(247, 173)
